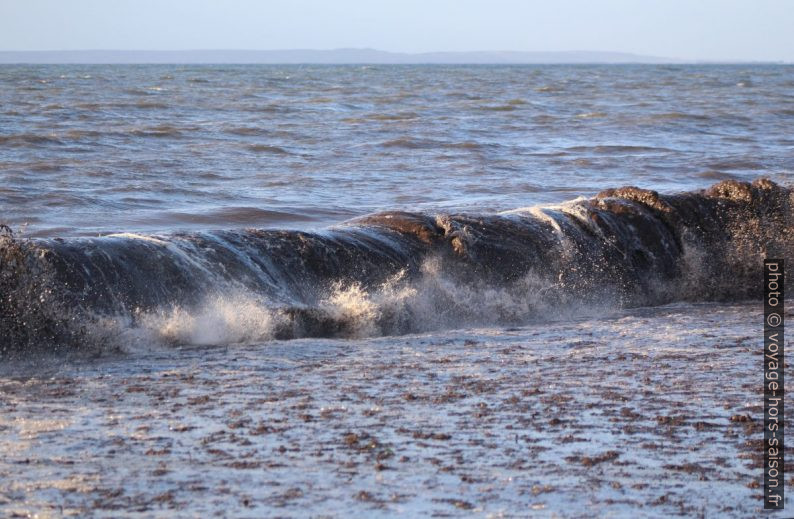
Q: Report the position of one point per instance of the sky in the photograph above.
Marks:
(686, 29)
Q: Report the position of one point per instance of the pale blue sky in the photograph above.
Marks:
(690, 29)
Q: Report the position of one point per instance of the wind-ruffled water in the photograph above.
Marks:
(96, 149)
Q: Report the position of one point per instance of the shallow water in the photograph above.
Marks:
(646, 413)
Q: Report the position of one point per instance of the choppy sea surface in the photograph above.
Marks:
(88, 150)
(379, 290)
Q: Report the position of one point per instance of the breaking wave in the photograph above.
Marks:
(394, 272)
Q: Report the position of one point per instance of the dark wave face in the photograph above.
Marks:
(395, 272)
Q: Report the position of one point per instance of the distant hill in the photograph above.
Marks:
(337, 56)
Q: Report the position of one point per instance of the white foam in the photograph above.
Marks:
(532, 209)
(220, 319)
(141, 237)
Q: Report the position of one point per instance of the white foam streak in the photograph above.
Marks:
(432, 301)
(221, 319)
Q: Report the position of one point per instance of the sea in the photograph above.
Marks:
(416, 290)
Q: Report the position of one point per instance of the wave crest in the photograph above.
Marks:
(396, 272)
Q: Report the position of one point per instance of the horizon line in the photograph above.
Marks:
(348, 55)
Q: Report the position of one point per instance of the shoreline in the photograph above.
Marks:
(652, 411)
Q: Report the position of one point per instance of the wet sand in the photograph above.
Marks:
(648, 413)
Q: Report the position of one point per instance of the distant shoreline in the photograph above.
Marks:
(340, 57)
